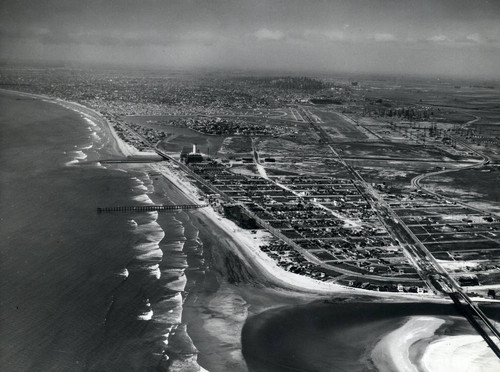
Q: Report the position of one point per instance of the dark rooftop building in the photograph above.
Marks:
(194, 156)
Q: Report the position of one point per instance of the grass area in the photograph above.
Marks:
(475, 183)
(178, 138)
(234, 147)
(396, 150)
(338, 127)
(460, 246)
(458, 210)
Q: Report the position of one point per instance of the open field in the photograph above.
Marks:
(473, 185)
(407, 151)
(178, 138)
(338, 127)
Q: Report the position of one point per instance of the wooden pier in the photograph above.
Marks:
(150, 208)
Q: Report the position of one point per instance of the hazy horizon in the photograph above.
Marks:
(455, 38)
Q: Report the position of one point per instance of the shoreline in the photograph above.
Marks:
(246, 247)
(119, 146)
(236, 236)
(265, 265)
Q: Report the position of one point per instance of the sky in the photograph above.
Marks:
(424, 37)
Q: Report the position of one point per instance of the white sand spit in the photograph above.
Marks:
(392, 353)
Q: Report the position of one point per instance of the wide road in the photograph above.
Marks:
(485, 160)
(416, 181)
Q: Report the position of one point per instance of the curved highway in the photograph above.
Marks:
(415, 182)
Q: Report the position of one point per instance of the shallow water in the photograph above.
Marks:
(81, 290)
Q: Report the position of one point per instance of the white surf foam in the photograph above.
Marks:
(155, 271)
(147, 315)
(87, 147)
(149, 227)
(95, 136)
(143, 198)
(77, 156)
(123, 272)
(91, 122)
(149, 252)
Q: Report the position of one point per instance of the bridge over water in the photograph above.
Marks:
(150, 208)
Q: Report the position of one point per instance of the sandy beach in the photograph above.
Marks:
(419, 345)
(245, 244)
(464, 353)
(119, 146)
(236, 254)
(392, 353)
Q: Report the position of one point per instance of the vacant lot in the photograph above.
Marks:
(338, 127)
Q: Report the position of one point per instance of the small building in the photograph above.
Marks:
(194, 158)
(491, 294)
(468, 281)
(185, 152)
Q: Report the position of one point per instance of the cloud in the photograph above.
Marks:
(112, 37)
(438, 38)
(335, 35)
(266, 34)
(384, 37)
(355, 35)
(461, 39)
(313, 35)
(348, 36)
(475, 38)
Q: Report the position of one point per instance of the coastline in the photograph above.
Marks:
(119, 146)
(235, 236)
(252, 255)
(70, 301)
(246, 245)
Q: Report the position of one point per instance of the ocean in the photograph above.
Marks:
(82, 290)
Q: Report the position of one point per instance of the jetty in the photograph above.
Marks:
(150, 208)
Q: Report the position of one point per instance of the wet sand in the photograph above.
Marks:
(220, 296)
